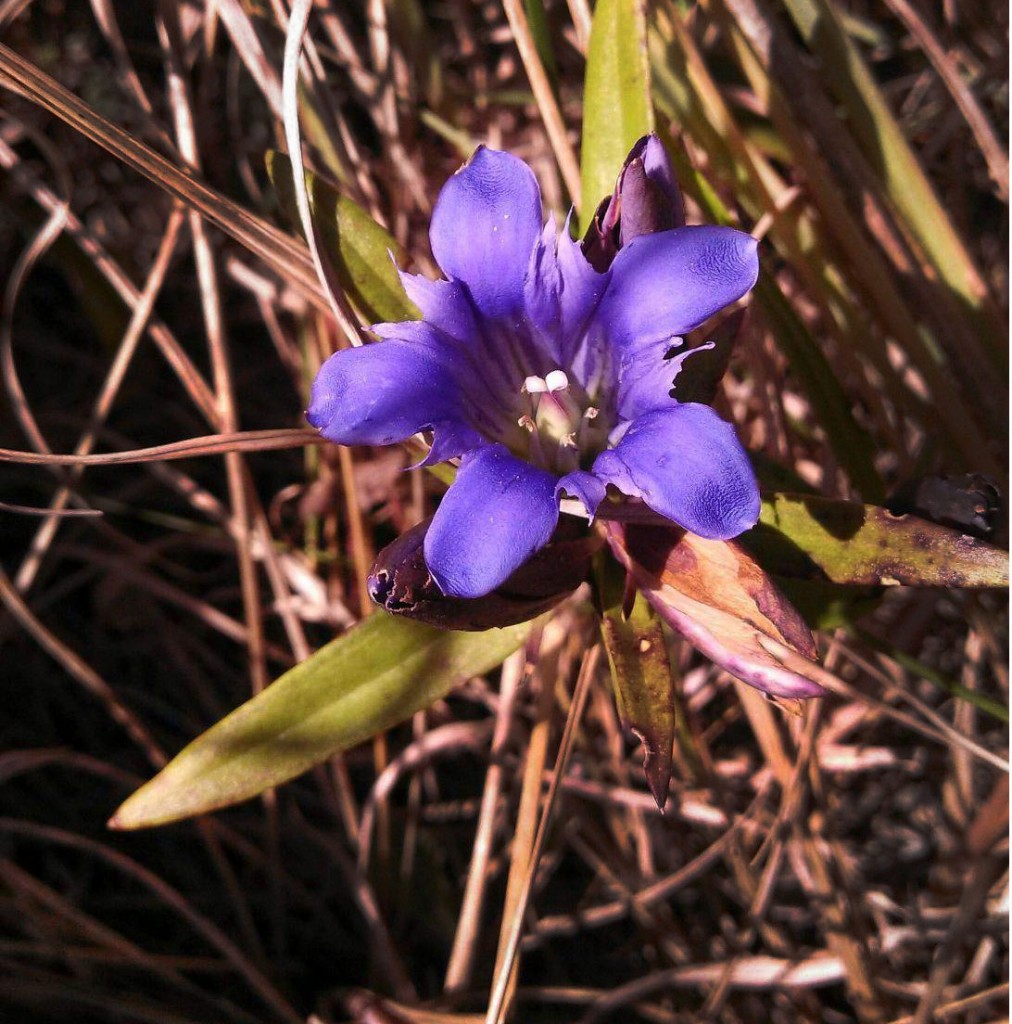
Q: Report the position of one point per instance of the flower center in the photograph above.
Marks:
(563, 429)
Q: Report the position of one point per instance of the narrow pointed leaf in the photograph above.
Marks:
(809, 537)
(616, 96)
(644, 686)
(370, 679)
(720, 600)
(537, 19)
(360, 251)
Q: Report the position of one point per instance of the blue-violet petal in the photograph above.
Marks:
(383, 393)
(444, 304)
(687, 464)
(484, 227)
(497, 513)
(667, 284)
(585, 486)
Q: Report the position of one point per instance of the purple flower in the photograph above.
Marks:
(545, 377)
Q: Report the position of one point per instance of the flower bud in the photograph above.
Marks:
(401, 583)
(646, 199)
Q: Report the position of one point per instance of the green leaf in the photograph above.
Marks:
(370, 679)
(616, 96)
(809, 537)
(644, 686)
(360, 252)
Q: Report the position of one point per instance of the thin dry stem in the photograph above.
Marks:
(505, 976)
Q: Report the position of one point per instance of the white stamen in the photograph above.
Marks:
(591, 413)
(527, 423)
(557, 381)
(569, 441)
(535, 386)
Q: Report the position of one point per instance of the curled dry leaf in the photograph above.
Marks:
(720, 600)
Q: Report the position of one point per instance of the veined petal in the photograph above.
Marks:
(543, 289)
(561, 291)
(383, 393)
(667, 284)
(484, 387)
(451, 438)
(687, 464)
(484, 227)
(497, 513)
(648, 381)
(581, 288)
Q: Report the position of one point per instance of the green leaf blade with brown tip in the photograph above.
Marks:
(644, 687)
(809, 537)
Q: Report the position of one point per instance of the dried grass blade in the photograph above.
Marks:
(800, 234)
(505, 962)
(886, 146)
(81, 671)
(941, 732)
(548, 105)
(240, 28)
(174, 354)
(297, 23)
(217, 343)
(280, 251)
(213, 444)
(796, 98)
(202, 925)
(460, 966)
(994, 155)
(114, 378)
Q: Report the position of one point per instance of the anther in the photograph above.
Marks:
(557, 381)
(535, 385)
